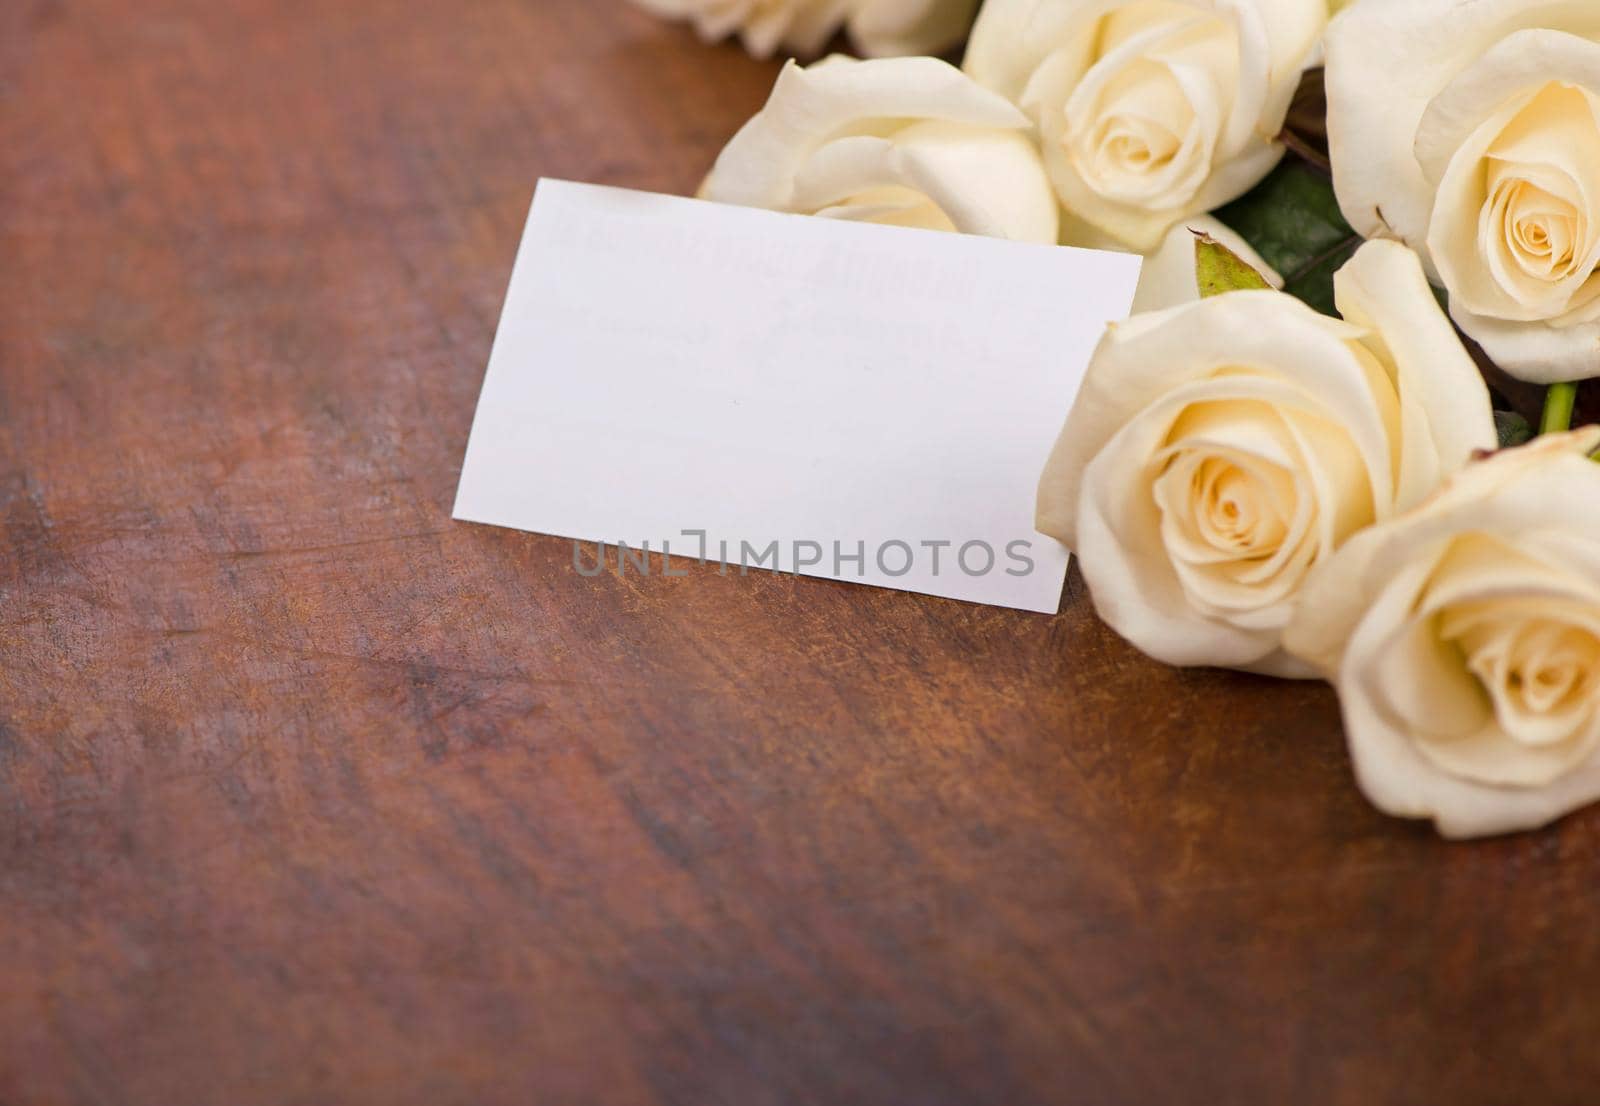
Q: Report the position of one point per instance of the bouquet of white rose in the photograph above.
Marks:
(1372, 272)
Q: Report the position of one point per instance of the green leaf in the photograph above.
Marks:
(1512, 428)
(1292, 220)
(1218, 269)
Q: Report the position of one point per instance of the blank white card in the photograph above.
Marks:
(851, 401)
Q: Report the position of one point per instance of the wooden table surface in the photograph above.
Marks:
(311, 795)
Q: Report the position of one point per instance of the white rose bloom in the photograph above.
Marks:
(1149, 111)
(1471, 130)
(1220, 451)
(879, 28)
(905, 141)
(1464, 639)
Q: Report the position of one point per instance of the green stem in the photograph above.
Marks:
(1558, 404)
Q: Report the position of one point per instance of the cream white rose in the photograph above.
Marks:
(1470, 129)
(879, 28)
(1464, 639)
(1220, 451)
(905, 141)
(1149, 111)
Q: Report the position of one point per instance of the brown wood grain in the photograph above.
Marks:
(310, 795)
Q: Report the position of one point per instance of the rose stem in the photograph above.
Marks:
(1558, 404)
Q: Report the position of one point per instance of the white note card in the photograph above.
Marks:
(851, 401)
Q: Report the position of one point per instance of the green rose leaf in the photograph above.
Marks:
(1218, 269)
(1292, 220)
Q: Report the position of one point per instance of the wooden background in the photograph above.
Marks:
(310, 795)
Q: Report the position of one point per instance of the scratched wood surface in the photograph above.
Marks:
(309, 795)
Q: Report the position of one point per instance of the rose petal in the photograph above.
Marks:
(1537, 354)
(1445, 404)
(1520, 63)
